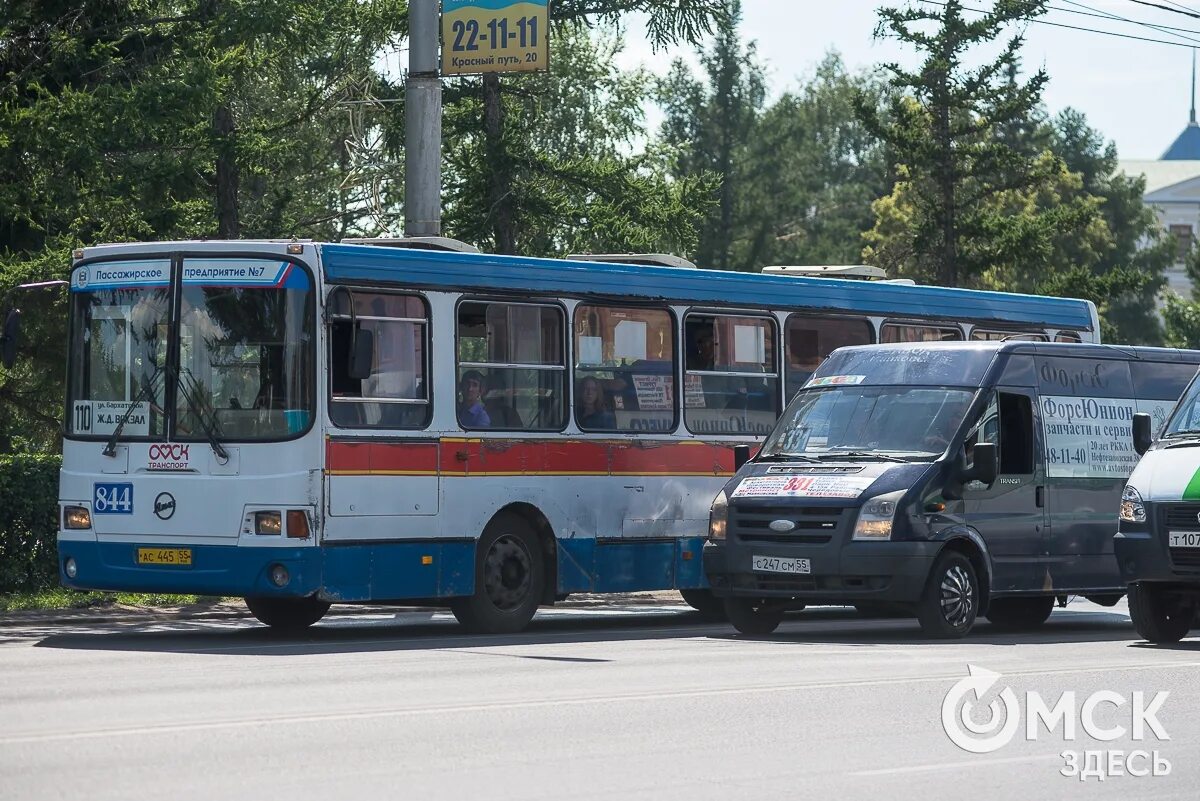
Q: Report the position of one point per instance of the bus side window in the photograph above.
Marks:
(808, 340)
(395, 394)
(624, 369)
(511, 366)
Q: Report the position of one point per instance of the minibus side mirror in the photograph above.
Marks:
(984, 465)
(741, 455)
(8, 338)
(362, 355)
(1142, 436)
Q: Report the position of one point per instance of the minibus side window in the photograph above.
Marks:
(1008, 423)
(1016, 434)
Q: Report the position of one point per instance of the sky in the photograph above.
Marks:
(1135, 93)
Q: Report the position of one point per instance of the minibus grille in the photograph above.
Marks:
(814, 525)
(1186, 560)
(1182, 516)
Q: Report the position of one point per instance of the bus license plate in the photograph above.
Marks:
(164, 556)
(1185, 539)
(778, 564)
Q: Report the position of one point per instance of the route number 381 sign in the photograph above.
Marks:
(481, 36)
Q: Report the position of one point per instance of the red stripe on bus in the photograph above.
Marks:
(467, 457)
(368, 457)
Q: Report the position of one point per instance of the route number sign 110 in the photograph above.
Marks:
(481, 36)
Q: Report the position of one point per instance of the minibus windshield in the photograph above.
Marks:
(829, 422)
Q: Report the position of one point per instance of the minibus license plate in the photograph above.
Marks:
(778, 564)
(1185, 539)
(164, 556)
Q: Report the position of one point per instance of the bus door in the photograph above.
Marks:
(1010, 514)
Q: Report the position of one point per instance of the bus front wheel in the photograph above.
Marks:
(1159, 615)
(509, 579)
(287, 614)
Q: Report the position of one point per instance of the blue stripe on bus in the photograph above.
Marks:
(215, 569)
(447, 270)
(630, 565)
(387, 571)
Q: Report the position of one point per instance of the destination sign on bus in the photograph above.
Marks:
(481, 36)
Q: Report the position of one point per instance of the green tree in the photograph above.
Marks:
(566, 156)
(814, 171)
(944, 125)
(154, 120)
(516, 181)
(708, 130)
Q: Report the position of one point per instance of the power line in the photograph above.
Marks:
(1108, 15)
(1178, 5)
(1184, 10)
(1074, 27)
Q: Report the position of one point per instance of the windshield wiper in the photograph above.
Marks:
(785, 457)
(1188, 432)
(1192, 443)
(864, 455)
(200, 412)
(110, 447)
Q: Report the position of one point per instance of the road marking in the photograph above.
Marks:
(965, 763)
(373, 714)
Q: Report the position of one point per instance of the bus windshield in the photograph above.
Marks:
(912, 421)
(245, 343)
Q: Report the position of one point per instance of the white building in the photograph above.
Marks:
(1173, 189)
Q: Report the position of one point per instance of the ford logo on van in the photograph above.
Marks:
(781, 525)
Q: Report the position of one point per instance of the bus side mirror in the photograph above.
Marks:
(741, 455)
(8, 338)
(1142, 436)
(984, 464)
(362, 355)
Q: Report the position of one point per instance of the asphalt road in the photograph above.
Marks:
(627, 703)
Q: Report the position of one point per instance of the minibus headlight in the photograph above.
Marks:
(1132, 509)
(76, 517)
(876, 517)
(268, 523)
(718, 517)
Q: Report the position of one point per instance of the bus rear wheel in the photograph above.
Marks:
(287, 614)
(708, 605)
(1020, 614)
(1158, 615)
(509, 579)
(752, 616)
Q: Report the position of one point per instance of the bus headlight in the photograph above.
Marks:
(268, 523)
(1132, 508)
(718, 517)
(76, 517)
(876, 517)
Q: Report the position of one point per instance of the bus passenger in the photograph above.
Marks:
(471, 412)
(592, 410)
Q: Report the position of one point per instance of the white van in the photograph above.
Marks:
(1158, 536)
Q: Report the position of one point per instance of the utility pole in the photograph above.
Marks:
(423, 123)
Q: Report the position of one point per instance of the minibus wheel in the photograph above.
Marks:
(708, 605)
(287, 614)
(509, 578)
(1159, 615)
(950, 602)
(1020, 614)
(752, 616)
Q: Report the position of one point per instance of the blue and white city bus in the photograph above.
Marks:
(302, 424)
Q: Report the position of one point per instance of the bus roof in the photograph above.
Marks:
(429, 269)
